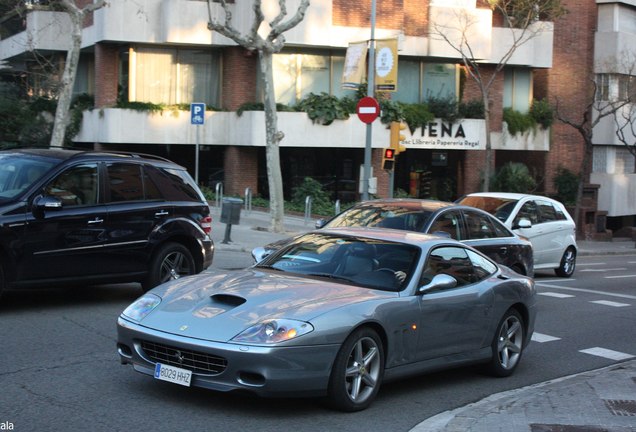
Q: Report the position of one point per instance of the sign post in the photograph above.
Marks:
(368, 109)
(197, 118)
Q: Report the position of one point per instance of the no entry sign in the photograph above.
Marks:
(368, 109)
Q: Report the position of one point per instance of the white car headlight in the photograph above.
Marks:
(141, 307)
(274, 331)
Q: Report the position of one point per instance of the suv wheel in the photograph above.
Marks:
(171, 262)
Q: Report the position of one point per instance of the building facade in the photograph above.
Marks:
(161, 52)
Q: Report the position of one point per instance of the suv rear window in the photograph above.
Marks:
(174, 184)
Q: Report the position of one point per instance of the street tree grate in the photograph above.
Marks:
(621, 407)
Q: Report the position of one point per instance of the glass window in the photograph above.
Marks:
(175, 185)
(77, 186)
(528, 211)
(439, 82)
(482, 266)
(480, 226)
(548, 214)
(174, 76)
(447, 222)
(517, 89)
(450, 260)
(408, 81)
(124, 182)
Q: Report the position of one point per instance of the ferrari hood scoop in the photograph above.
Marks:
(227, 300)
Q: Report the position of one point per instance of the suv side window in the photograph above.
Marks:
(76, 186)
(174, 184)
(528, 211)
(548, 214)
(124, 182)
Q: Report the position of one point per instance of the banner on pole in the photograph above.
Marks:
(386, 65)
(353, 73)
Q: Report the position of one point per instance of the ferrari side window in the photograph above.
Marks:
(452, 261)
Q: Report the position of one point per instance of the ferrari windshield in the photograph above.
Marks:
(19, 172)
(361, 261)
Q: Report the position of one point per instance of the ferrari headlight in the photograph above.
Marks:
(274, 331)
(141, 307)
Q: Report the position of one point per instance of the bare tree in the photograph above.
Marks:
(525, 20)
(266, 46)
(592, 114)
(77, 15)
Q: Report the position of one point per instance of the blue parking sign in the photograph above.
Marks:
(197, 113)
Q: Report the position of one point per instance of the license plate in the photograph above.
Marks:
(173, 374)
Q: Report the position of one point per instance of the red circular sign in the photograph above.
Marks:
(368, 109)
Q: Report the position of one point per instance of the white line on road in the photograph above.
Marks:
(553, 294)
(541, 338)
(610, 303)
(589, 264)
(541, 281)
(626, 296)
(603, 270)
(621, 276)
(609, 354)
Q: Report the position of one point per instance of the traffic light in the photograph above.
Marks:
(396, 137)
(388, 159)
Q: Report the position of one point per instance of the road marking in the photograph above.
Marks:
(603, 270)
(553, 294)
(620, 277)
(606, 353)
(610, 303)
(541, 338)
(553, 280)
(589, 264)
(625, 296)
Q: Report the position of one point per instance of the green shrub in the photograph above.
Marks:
(542, 113)
(444, 108)
(324, 108)
(567, 185)
(513, 177)
(517, 122)
(312, 188)
(473, 109)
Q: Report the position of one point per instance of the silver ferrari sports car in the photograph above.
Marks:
(334, 313)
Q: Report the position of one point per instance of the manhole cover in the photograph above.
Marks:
(621, 407)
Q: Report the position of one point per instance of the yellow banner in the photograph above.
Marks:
(353, 73)
(386, 65)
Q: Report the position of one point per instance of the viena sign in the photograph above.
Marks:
(466, 134)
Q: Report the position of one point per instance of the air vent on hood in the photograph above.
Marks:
(228, 299)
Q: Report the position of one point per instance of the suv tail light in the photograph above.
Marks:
(206, 224)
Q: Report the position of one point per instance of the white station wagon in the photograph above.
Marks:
(544, 221)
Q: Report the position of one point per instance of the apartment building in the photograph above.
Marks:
(160, 51)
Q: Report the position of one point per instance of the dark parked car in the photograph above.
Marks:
(469, 225)
(334, 313)
(81, 217)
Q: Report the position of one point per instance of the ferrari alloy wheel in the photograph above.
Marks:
(568, 263)
(172, 261)
(507, 345)
(357, 372)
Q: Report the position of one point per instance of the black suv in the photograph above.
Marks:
(82, 217)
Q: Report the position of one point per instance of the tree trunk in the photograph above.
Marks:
(62, 115)
(272, 154)
(488, 167)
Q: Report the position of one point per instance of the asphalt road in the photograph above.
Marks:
(59, 369)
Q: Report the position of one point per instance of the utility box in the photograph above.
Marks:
(231, 211)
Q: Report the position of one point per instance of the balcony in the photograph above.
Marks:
(42, 30)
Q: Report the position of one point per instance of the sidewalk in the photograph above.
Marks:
(602, 400)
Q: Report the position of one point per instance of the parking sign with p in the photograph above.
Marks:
(197, 113)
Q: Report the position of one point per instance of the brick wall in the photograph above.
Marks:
(389, 13)
(106, 73)
(568, 81)
(240, 69)
(241, 170)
